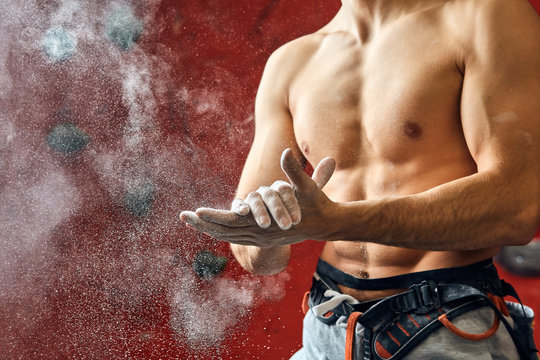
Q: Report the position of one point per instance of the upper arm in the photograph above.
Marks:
(500, 105)
(273, 127)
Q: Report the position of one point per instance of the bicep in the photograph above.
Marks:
(500, 110)
(273, 133)
(262, 166)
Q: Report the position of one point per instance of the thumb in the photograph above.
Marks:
(294, 171)
(324, 171)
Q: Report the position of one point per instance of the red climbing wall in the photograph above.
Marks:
(114, 117)
(94, 263)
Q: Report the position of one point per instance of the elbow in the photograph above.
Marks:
(524, 223)
(524, 209)
(268, 265)
(258, 261)
(266, 271)
(264, 268)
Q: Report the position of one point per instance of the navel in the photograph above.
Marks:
(412, 129)
(363, 275)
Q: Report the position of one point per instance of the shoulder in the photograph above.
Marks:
(503, 17)
(283, 67)
(500, 18)
(504, 10)
(291, 57)
(487, 27)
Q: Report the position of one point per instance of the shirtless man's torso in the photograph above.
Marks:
(426, 107)
(388, 105)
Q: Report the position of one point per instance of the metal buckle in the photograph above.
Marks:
(427, 296)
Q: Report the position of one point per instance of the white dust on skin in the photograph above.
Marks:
(506, 117)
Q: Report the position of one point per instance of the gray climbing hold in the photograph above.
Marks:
(521, 260)
(67, 138)
(59, 44)
(123, 27)
(207, 265)
(139, 200)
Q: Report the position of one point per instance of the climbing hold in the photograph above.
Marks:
(123, 27)
(207, 265)
(67, 138)
(139, 200)
(521, 260)
(59, 44)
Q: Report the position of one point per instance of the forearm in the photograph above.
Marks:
(262, 261)
(476, 212)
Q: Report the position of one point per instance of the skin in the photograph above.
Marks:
(423, 117)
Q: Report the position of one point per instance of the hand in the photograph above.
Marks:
(241, 227)
(277, 202)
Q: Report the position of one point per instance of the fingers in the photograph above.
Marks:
(294, 171)
(224, 217)
(234, 235)
(289, 200)
(278, 201)
(213, 229)
(258, 209)
(298, 177)
(274, 202)
(323, 172)
(240, 207)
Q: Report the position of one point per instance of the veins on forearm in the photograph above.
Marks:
(466, 214)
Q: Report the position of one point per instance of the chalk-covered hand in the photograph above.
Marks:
(300, 210)
(277, 202)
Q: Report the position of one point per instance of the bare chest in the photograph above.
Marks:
(391, 100)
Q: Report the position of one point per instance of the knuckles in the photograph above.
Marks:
(253, 197)
(279, 189)
(284, 189)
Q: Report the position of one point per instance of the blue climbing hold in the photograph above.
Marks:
(139, 200)
(59, 44)
(123, 27)
(67, 138)
(208, 265)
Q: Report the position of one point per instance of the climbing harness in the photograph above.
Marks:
(393, 326)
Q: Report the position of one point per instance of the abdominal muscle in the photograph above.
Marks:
(372, 260)
(369, 261)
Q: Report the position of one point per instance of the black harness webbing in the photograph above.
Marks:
(416, 311)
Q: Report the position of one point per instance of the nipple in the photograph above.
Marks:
(412, 129)
(305, 147)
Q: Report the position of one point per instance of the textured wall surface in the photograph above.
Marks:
(115, 115)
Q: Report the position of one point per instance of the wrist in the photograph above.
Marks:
(337, 221)
(354, 220)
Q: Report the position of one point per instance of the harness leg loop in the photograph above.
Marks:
(351, 330)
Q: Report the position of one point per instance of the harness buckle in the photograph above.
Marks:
(427, 296)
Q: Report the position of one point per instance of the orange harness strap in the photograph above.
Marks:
(465, 335)
(349, 338)
(305, 303)
(499, 302)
